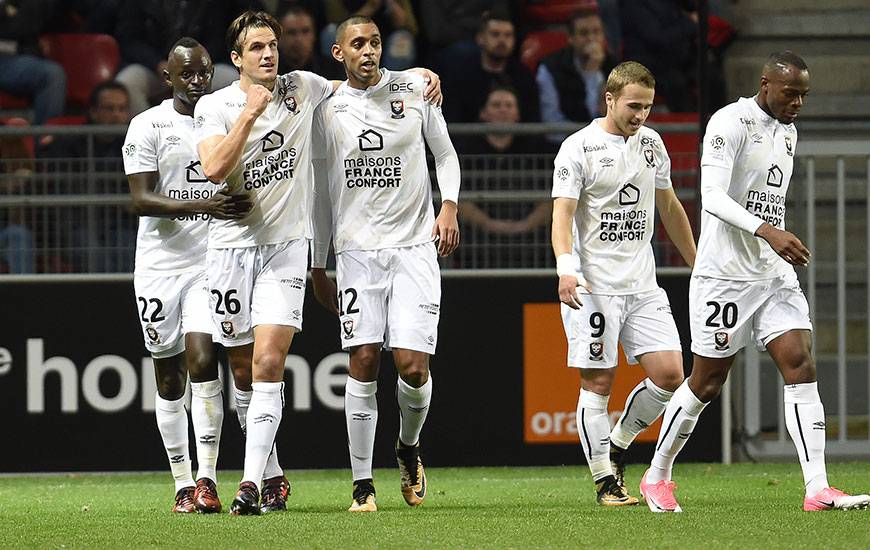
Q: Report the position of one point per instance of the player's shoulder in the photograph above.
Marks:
(648, 137)
(154, 118)
(583, 140)
(735, 115)
(404, 83)
(290, 82)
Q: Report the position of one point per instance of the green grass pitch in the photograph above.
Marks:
(739, 506)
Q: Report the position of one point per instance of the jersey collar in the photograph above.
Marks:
(385, 79)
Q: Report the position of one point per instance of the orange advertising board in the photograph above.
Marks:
(551, 388)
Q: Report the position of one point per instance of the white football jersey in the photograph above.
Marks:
(275, 167)
(162, 140)
(759, 151)
(373, 140)
(614, 181)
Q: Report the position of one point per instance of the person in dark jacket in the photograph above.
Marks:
(571, 80)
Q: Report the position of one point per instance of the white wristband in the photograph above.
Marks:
(565, 265)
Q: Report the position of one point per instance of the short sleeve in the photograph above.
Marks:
(208, 119)
(663, 167)
(723, 138)
(140, 150)
(568, 178)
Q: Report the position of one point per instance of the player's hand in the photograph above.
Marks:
(324, 289)
(786, 244)
(568, 285)
(257, 99)
(432, 93)
(446, 230)
(225, 206)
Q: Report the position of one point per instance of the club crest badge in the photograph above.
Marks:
(291, 104)
(721, 341)
(397, 106)
(347, 326)
(596, 351)
(788, 146)
(152, 333)
(227, 327)
(649, 158)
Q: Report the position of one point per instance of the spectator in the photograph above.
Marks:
(109, 104)
(297, 47)
(501, 107)
(571, 80)
(661, 34)
(22, 71)
(147, 29)
(449, 27)
(16, 238)
(394, 18)
(467, 82)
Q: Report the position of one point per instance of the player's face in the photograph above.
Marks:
(501, 107)
(784, 93)
(497, 39)
(259, 58)
(359, 50)
(629, 109)
(297, 39)
(113, 107)
(188, 73)
(586, 31)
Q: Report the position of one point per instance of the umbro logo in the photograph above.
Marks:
(264, 418)
(208, 439)
(607, 162)
(820, 425)
(176, 459)
(684, 435)
(420, 409)
(361, 416)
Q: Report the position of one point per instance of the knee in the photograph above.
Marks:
(801, 370)
(170, 386)
(200, 364)
(707, 388)
(414, 373)
(669, 380)
(365, 362)
(269, 360)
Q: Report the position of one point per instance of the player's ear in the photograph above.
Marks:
(336, 53)
(609, 99)
(236, 59)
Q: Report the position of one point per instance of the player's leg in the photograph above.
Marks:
(412, 333)
(414, 394)
(362, 281)
(160, 314)
(805, 420)
(649, 336)
(361, 417)
(207, 415)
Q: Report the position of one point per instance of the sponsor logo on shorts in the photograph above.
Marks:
(228, 328)
(431, 309)
(347, 327)
(296, 314)
(649, 158)
(152, 333)
(721, 341)
(397, 106)
(629, 194)
(295, 282)
(596, 351)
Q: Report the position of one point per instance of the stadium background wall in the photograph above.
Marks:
(77, 387)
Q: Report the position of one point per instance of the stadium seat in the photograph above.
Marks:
(88, 59)
(548, 12)
(16, 147)
(11, 101)
(72, 120)
(538, 45)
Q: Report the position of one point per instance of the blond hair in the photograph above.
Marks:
(629, 72)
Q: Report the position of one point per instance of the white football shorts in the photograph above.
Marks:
(390, 296)
(725, 314)
(641, 322)
(171, 306)
(256, 285)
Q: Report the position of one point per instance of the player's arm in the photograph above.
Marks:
(146, 202)
(562, 238)
(446, 228)
(220, 155)
(432, 92)
(676, 223)
(716, 201)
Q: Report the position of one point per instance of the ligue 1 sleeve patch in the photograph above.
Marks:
(563, 173)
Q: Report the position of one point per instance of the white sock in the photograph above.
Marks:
(679, 420)
(361, 416)
(172, 423)
(413, 408)
(805, 420)
(644, 405)
(207, 413)
(593, 425)
(264, 417)
(243, 401)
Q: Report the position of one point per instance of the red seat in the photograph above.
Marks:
(72, 120)
(537, 45)
(12, 101)
(88, 59)
(17, 147)
(548, 12)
